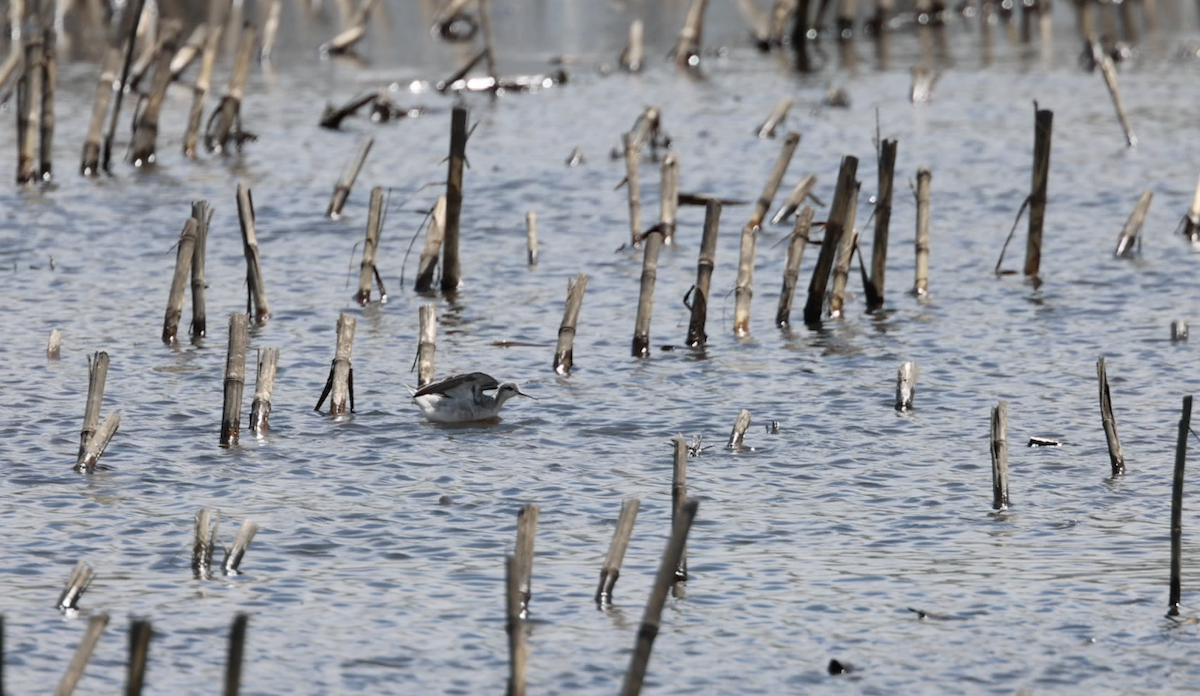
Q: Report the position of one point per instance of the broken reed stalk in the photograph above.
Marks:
(1125, 242)
(1185, 425)
(152, 48)
(845, 253)
(616, 550)
(264, 384)
(1000, 456)
(256, 291)
(1043, 125)
(225, 124)
(527, 520)
(212, 45)
(778, 113)
(356, 30)
(883, 215)
(1109, 71)
(921, 283)
(738, 434)
(669, 197)
(341, 190)
(83, 653)
(815, 304)
(451, 271)
(145, 132)
(49, 85)
(633, 55)
(97, 375)
(99, 443)
(340, 385)
(184, 253)
(130, 21)
(89, 164)
(696, 336)
(367, 272)
(795, 199)
(29, 99)
(687, 48)
(54, 346)
(641, 329)
(427, 344)
(189, 51)
(235, 380)
(633, 184)
(744, 290)
(77, 583)
(790, 142)
(791, 271)
(515, 627)
(1115, 456)
(652, 618)
(203, 542)
(139, 655)
(531, 236)
(233, 663)
(433, 244)
(906, 385)
(270, 30)
(203, 216)
(679, 498)
(233, 557)
(564, 352)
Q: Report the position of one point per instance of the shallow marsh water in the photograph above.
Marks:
(379, 564)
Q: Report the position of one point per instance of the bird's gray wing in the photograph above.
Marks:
(475, 380)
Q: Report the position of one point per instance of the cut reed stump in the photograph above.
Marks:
(49, 85)
(616, 551)
(339, 388)
(652, 618)
(139, 655)
(341, 190)
(77, 583)
(815, 304)
(451, 271)
(1189, 226)
(744, 289)
(368, 273)
(427, 344)
(433, 244)
(212, 45)
(184, 253)
(99, 443)
(634, 186)
(83, 653)
(641, 330)
(921, 283)
(225, 125)
(738, 434)
(531, 236)
(515, 627)
(264, 384)
(669, 198)
(1179, 331)
(1185, 425)
(1000, 456)
(1043, 125)
(1129, 234)
(89, 163)
(791, 271)
(235, 380)
(527, 520)
(233, 663)
(848, 245)
(29, 99)
(777, 115)
(1115, 456)
(241, 542)
(632, 57)
(145, 133)
(54, 346)
(1109, 71)
(795, 199)
(906, 385)
(203, 216)
(203, 543)
(686, 53)
(696, 336)
(256, 291)
(270, 30)
(564, 352)
(355, 30)
(130, 22)
(883, 216)
(97, 375)
(679, 498)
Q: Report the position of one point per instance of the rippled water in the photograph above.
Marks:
(379, 564)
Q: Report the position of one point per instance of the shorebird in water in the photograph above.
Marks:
(461, 398)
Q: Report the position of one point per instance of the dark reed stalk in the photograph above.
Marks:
(77, 583)
(54, 346)
(1179, 331)
(515, 627)
(212, 45)
(641, 332)
(848, 245)
(235, 380)
(778, 113)
(29, 102)
(1115, 456)
(1043, 125)
(652, 618)
(427, 344)
(696, 336)
(152, 48)
(49, 86)
(679, 499)
(256, 291)
(1185, 425)
(145, 132)
(1126, 242)
(433, 244)
(738, 434)
(633, 56)
(264, 384)
(906, 385)
(921, 283)
(1000, 456)
(368, 273)
(225, 125)
(203, 216)
(139, 655)
(527, 520)
(99, 443)
(241, 543)
(634, 187)
(564, 352)
(129, 26)
(203, 543)
(83, 653)
(451, 271)
(883, 215)
(341, 190)
(847, 11)
(795, 199)
(791, 271)
(97, 375)
(233, 663)
(815, 304)
(184, 254)
(616, 551)
(531, 236)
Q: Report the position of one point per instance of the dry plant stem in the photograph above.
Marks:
(204, 540)
(264, 384)
(781, 165)
(767, 129)
(652, 618)
(235, 380)
(357, 29)
(83, 653)
(220, 131)
(921, 284)
(185, 250)
(129, 26)
(29, 106)
(1126, 242)
(527, 520)
(99, 442)
(203, 216)
(1109, 71)
(49, 85)
(738, 434)
(687, 47)
(795, 199)
(145, 133)
(153, 48)
(233, 662)
(848, 245)
(433, 244)
(696, 336)
(564, 352)
(515, 627)
(744, 290)
(633, 55)
(89, 164)
(139, 654)
(1043, 125)
(451, 271)
(883, 215)
(616, 550)
(366, 271)
(97, 375)
(1179, 331)
(77, 583)
(1000, 456)
(531, 236)
(634, 186)
(669, 198)
(341, 190)
(1115, 456)
(489, 51)
(427, 344)
(340, 386)
(233, 557)
(679, 498)
(255, 287)
(1185, 425)
(191, 49)
(641, 329)
(814, 305)
(906, 385)
(791, 273)
(54, 345)
(212, 46)
(270, 30)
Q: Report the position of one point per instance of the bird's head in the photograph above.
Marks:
(508, 390)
